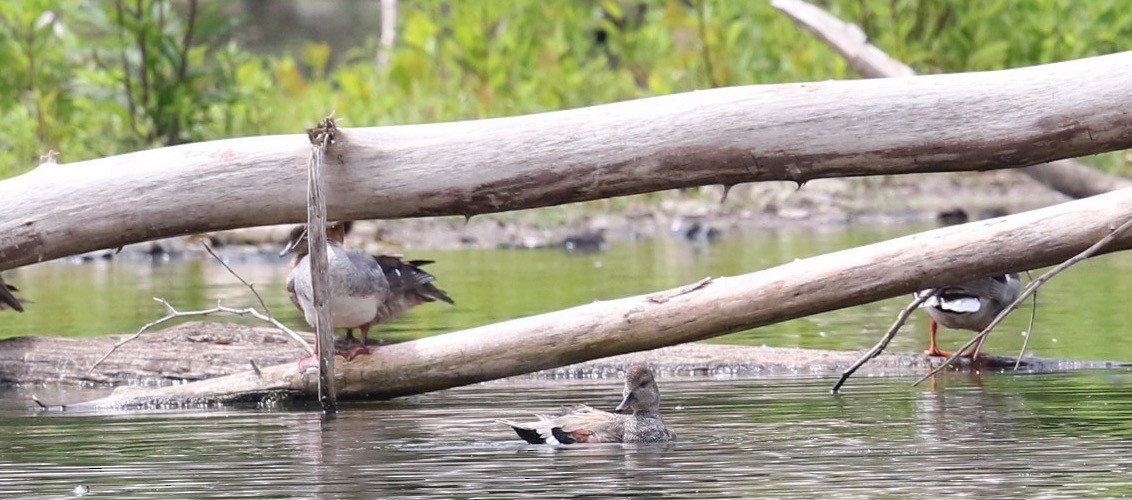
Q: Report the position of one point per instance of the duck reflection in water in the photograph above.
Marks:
(583, 424)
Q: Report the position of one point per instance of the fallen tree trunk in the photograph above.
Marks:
(1068, 177)
(709, 308)
(793, 132)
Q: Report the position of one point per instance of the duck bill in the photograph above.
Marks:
(291, 245)
(288, 249)
(625, 403)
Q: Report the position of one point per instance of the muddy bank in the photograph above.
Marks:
(200, 350)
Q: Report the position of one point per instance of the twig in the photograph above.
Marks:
(879, 347)
(1031, 289)
(1029, 328)
(208, 248)
(172, 312)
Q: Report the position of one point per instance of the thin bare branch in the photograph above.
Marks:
(1030, 327)
(208, 248)
(172, 312)
(879, 347)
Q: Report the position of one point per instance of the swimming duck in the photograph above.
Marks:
(9, 300)
(364, 289)
(969, 306)
(583, 424)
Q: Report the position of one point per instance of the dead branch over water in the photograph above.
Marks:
(968, 121)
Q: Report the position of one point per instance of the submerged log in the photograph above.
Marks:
(200, 350)
(694, 312)
(1068, 177)
(794, 132)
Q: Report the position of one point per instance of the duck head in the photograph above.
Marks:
(641, 392)
(297, 240)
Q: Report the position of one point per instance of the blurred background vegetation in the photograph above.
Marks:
(95, 78)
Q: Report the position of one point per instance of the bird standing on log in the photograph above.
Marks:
(364, 289)
(969, 306)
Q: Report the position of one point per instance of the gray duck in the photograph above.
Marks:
(364, 289)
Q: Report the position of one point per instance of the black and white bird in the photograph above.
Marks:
(969, 306)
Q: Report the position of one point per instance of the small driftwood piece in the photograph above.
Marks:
(722, 305)
(1069, 177)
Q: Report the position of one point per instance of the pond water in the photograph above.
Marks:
(1035, 436)
(1050, 435)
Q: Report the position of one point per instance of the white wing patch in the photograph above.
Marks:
(960, 305)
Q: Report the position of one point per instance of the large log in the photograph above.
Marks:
(795, 132)
(1069, 177)
(698, 311)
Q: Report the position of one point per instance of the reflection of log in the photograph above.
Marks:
(709, 308)
(1068, 177)
(795, 132)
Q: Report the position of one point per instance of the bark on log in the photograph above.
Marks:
(1068, 177)
(727, 136)
(709, 308)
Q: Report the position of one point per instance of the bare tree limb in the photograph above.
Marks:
(388, 34)
(727, 136)
(1069, 177)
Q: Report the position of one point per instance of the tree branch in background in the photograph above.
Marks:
(388, 34)
(1069, 177)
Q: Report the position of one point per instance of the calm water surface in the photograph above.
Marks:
(1054, 435)
(1059, 435)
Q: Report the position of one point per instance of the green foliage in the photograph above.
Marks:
(92, 78)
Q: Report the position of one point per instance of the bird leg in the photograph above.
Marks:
(352, 353)
(933, 350)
